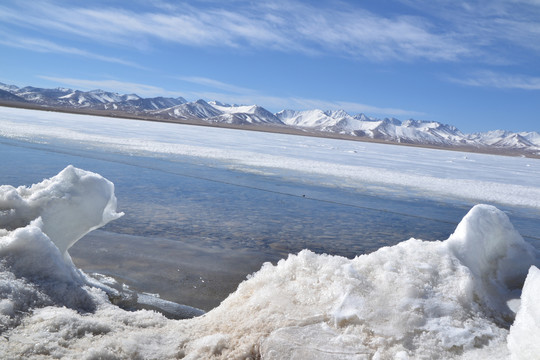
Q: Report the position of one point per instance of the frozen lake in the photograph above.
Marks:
(197, 224)
(192, 232)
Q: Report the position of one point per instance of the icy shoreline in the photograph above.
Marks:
(445, 299)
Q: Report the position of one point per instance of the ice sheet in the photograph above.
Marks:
(435, 173)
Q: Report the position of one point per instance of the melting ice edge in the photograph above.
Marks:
(474, 295)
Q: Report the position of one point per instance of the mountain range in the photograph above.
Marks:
(338, 123)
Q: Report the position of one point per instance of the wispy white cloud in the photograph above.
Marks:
(531, 2)
(215, 84)
(285, 26)
(493, 29)
(114, 86)
(441, 30)
(499, 80)
(46, 46)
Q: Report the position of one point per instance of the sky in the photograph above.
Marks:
(471, 64)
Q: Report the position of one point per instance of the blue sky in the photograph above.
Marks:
(472, 64)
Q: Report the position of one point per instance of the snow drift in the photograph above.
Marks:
(445, 299)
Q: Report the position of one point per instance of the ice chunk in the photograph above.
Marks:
(488, 245)
(170, 309)
(523, 340)
(70, 205)
(40, 223)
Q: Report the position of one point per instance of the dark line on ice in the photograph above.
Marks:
(90, 156)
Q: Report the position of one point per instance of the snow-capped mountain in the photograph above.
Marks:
(314, 121)
(156, 103)
(8, 96)
(238, 114)
(507, 139)
(410, 131)
(199, 109)
(217, 112)
(95, 99)
(41, 96)
(9, 88)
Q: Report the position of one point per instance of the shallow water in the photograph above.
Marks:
(195, 228)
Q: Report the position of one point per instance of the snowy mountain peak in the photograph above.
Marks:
(217, 112)
(392, 121)
(217, 103)
(507, 139)
(234, 109)
(199, 109)
(7, 87)
(363, 117)
(337, 114)
(130, 97)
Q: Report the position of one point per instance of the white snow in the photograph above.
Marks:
(231, 109)
(418, 299)
(310, 118)
(525, 332)
(434, 173)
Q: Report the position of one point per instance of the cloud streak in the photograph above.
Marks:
(211, 83)
(451, 32)
(282, 26)
(500, 81)
(46, 46)
(494, 29)
(114, 86)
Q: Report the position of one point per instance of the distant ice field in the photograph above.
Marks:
(433, 173)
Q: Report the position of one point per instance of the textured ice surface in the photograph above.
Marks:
(478, 177)
(418, 299)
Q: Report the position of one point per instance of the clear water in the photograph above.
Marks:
(194, 229)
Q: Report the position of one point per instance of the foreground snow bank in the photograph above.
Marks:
(444, 299)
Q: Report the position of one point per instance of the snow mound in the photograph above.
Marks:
(453, 299)
(415, 299)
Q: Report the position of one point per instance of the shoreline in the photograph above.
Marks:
(288, 130)
(178, 271)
